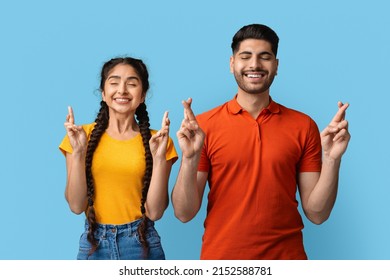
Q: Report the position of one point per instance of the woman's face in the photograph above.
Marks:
(123, 91)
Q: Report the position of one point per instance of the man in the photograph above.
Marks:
(254, 153)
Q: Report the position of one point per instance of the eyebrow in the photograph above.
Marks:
(250, 53)
(128, 78)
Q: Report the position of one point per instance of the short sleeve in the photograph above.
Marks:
(204, 163)
(311, 158)
(171, 151)
(65, 146)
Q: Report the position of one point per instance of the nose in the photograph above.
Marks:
(122, 88)
(255, 63)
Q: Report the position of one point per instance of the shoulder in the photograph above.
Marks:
(212, 114)
(294, 115)
(293, 112)
(88, 128)
(292, 119)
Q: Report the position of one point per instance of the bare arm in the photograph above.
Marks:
(188, 191)
(157, 199)
(319, 190)
(76, 186)
(190, 184)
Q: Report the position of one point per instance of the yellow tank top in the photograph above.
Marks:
(118, 167)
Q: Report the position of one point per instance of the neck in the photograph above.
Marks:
(122, 128)
(253, 103)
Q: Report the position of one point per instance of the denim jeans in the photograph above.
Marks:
(121, 242)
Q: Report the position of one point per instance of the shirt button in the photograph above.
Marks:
(113, 230)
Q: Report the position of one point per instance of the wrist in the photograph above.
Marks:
(191, 161)
(79, 154)
(159, 160)
(326, 160)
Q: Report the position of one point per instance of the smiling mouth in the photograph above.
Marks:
(254, 75)
(122, 100)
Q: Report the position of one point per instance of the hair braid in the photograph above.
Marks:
(101, 125)
(143, 122)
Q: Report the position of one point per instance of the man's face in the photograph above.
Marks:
(254, 66)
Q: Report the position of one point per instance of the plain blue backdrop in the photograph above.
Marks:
(51, 55)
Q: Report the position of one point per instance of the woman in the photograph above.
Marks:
(118, 169)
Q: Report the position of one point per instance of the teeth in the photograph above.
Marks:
(122, 99)
(253, 76)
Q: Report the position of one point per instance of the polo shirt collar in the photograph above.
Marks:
(235, 108)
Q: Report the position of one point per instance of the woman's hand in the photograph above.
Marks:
(76, 134)
(158, 142)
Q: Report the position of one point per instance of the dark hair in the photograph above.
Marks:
(101, 125)
(256, 31)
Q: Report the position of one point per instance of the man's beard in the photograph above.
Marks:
(252, 88)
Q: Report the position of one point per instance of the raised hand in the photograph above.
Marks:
(190, 135)
(158, 142)
(335, 137)
(76, 133)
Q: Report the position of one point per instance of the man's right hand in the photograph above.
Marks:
(190, 135)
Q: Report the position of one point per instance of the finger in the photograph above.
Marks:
(74, 128)
(165, 120)
(188, 113)
(184, 133)
(71, 130)
(343, 125)
(185, 102)
(70, 114)
(335, 129)
(342, 135)
(329, 130)
(183, 123)
(162, 132)
(68, 126)
(154, 137)
(190, 125)
(188, 133)
(340, 115)
(340, 105)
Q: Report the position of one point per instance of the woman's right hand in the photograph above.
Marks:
(190, 136)
(76, 133)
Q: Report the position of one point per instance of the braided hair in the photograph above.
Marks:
(96, 134)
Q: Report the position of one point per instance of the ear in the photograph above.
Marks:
(103, 96)
(143, 97)
(277, 66)
(231, 64)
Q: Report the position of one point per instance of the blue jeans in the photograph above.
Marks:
(121, 242)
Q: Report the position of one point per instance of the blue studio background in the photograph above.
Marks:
(51, 55)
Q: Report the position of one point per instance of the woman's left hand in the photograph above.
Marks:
(158, 142)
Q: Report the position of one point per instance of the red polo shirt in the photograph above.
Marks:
(253, 165)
